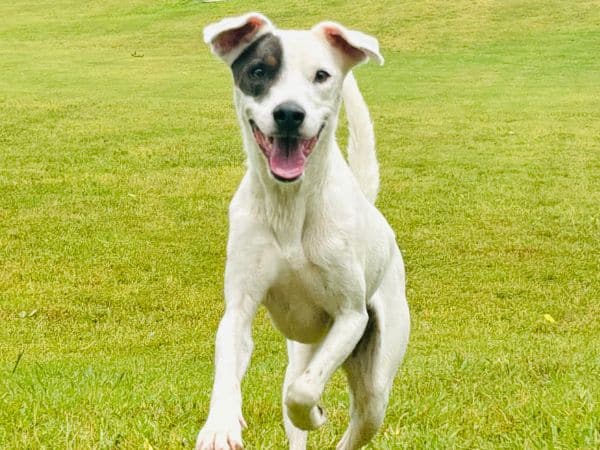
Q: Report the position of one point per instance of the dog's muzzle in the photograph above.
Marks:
(286, 154)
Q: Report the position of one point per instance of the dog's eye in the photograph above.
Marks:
(321, 76)
(257, 72)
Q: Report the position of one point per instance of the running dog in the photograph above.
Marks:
(305, 238)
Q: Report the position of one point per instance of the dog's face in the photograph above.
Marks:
(287, 83)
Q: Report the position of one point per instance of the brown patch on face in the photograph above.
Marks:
(270, 60)
(259, 65)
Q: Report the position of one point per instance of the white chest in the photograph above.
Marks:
(295, 301)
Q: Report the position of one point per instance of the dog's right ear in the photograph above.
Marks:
(230, 37)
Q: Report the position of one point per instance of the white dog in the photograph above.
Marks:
(305, 239)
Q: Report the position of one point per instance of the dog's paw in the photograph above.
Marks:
(302, 393)
(214, 436)
(307, 419)
(301, 402)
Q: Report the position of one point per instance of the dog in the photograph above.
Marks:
(305, 238)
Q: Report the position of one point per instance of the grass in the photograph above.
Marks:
(119, 152)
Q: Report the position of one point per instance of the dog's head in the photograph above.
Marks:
(287, 83)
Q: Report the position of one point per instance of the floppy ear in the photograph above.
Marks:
(229, 37)
(354, 46)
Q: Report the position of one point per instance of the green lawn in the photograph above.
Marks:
(119, 152)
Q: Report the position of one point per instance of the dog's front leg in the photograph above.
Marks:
(249, 272)
(304, 393)
(223, 427)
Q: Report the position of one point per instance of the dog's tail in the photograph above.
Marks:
(361, 139)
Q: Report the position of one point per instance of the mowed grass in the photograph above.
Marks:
(119, 152)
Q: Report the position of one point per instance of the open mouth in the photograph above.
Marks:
(286, 155)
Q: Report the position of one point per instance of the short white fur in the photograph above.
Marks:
(316, 252)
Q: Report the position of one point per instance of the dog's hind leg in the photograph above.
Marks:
(298, 357)
(370, 370)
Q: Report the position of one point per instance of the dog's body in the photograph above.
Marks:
(305, 239)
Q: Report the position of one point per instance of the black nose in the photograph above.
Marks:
(288, 116)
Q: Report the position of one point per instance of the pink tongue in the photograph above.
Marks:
(287, 159)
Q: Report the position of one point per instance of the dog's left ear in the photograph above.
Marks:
(230, 37)
(354, 47)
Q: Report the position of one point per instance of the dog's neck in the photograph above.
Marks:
(285, 207)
